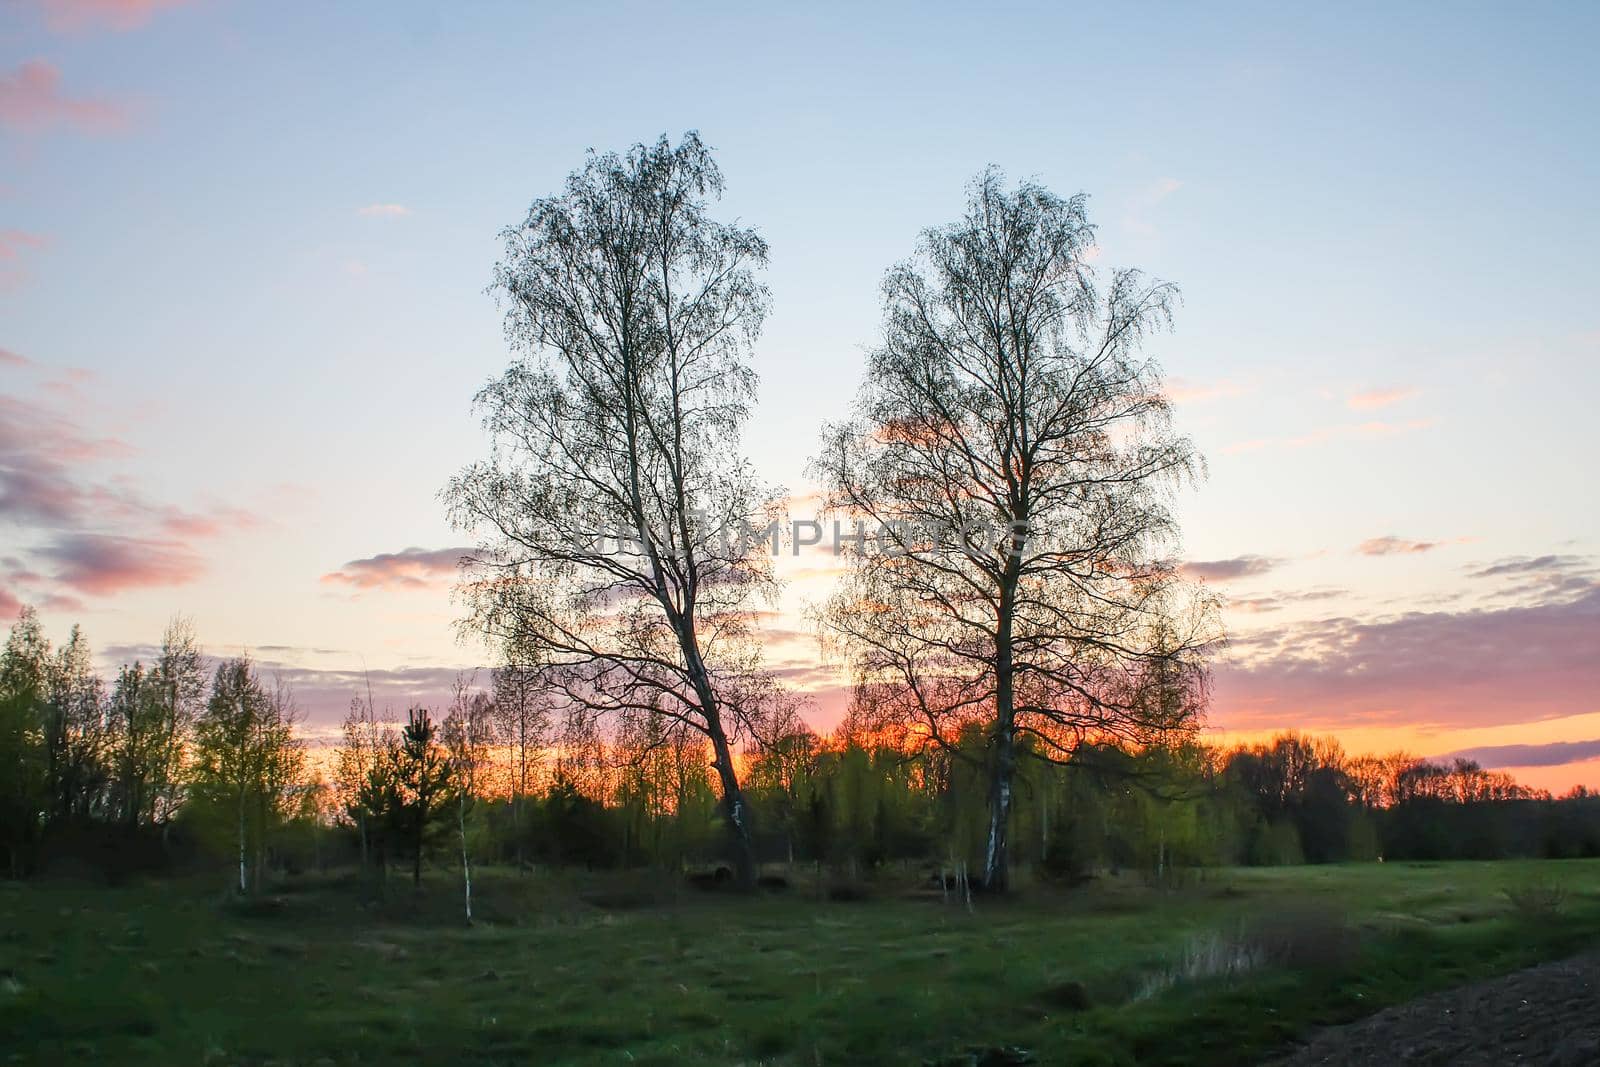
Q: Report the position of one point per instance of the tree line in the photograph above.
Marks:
(856, 802)
(92, 767)
(189, 761)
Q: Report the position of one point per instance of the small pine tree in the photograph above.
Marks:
(421, 784)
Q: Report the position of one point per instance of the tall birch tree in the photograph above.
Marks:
(605, 560)
(247, 760)
(1010, 460)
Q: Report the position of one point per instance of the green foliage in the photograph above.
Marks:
(417, 784)
(22, 687)
(150, 720)
(247, 761)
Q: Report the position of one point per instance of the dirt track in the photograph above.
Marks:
(1548, 1014)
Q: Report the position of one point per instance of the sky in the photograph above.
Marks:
(244, 255)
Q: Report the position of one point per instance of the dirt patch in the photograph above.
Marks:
(1546, 1015)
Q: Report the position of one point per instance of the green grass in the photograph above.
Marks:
(174, 973)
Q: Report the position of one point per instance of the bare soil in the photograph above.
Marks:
(1546, 1015)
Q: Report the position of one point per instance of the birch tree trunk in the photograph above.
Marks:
(466, 862)
(243, 888)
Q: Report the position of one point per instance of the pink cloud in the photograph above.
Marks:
(40, 451)
(411, 568)
(1479, 667)
(73, 16)
(37, 483)
(31, 101)
(45, 490)
(213, 523)
(1372, 399)
(9, 358)
(104, 564)
(384, 210)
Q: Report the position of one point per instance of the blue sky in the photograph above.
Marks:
(244, 248)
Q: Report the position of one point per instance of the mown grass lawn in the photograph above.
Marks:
(630, 970)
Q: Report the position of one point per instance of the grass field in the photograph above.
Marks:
(632, 970)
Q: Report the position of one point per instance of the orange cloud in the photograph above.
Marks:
(31, 101)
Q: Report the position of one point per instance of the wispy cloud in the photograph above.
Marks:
(1554, 754)
(323, 693)
(1227, 570)
(384, 210)
(31, 101)
(1395, 546)
(91, 533)
(1372, 399)
(1183, 391)
(1531, 579)
(15, 246)
(13, 243)
(75, 16)
(1143, 203)
(38, 448)
(1526, 565)
(1374, 429)
(1278, 601)
(410, 568)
